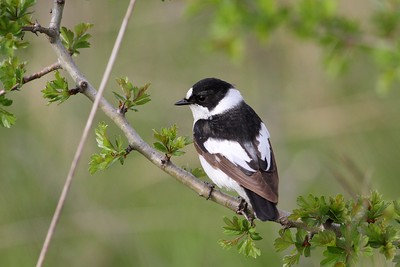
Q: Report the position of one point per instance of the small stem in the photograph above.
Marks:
(36, 27)
(128, 150)
(34, 76)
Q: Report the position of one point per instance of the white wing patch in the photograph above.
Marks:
(222, 180)
(263, 145)
(231, 150)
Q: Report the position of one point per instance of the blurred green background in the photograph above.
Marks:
(324, 130)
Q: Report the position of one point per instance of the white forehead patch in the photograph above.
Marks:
(189, 93)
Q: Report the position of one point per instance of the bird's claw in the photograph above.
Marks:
(242, 208)
(211, 186)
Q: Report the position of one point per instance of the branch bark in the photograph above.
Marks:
(34, 76)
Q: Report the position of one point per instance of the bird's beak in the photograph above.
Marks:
(183, 102)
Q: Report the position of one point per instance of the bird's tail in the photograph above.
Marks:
(264, 209)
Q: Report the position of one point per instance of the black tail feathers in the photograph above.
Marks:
(265, 210)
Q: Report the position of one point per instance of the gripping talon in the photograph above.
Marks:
(242, 210)
(211, 186)
(242, 206)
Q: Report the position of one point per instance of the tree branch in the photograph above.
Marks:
(35, 28)
(34, 76)
(39, 74)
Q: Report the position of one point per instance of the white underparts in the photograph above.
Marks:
(222, 180)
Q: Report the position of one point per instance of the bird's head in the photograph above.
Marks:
(210, 97)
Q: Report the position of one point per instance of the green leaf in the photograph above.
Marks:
(324, 238)
(74, 41)
(14, 14)
(338, 212)
(5, 101)
(313, 210)
(376, 207)
(7, 119)
(12, 73)
(109, 153)
(333, 255)
(284, 241)
(56, 90)
(160, 147)
(246, 235)
(133, 96)
(67, 37)
(169, 143)
(290, 260)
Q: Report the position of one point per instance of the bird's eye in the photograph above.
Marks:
(201, 98)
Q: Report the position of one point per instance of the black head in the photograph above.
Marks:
(207, 93)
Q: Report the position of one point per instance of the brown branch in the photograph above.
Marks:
(56, 15)
(53, 31)
(40, 74)
(36, 27)
(34, 76)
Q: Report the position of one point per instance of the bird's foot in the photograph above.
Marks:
(211, 186)
(242, 210)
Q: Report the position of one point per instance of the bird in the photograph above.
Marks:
(234, 145)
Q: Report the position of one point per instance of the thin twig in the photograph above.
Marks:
(34, 76)
(85, 133)
(36, 27)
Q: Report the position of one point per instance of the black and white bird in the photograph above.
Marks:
(233, 145)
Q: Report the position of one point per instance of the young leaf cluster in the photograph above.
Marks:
(56, 90)
(169, 143)
(362, 226)
(7, 118)
(132, 95)
(13, 15)
(11, 77)
(73, 41)
(109, 153)
(245, 239)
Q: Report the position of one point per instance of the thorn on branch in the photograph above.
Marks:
(128, 150)
(122, 109)
(74, 91)
(166, 160)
